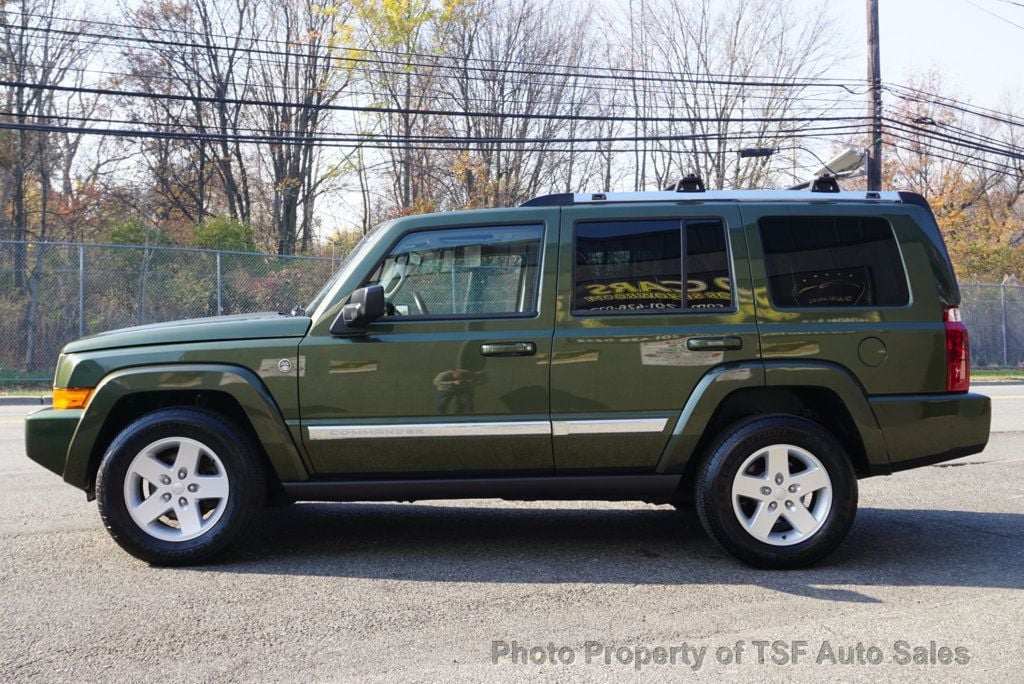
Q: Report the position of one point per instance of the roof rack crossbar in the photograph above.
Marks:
(688, 183)
(825, 183)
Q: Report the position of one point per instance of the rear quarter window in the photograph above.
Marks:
(832, 262)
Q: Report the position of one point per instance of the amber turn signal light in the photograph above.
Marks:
(71, 397)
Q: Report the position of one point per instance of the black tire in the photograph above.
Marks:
(729, 452)
(241, 464)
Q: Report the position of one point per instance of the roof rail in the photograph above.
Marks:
(792, 196)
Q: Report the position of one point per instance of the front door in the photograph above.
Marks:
(454, 380)
(657, 296)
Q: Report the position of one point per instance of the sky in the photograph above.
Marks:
(978, 55)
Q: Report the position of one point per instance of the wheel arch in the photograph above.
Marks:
(823, 392)
(233, 392)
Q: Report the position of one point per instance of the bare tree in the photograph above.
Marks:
(524, 137)
(398, 45)
(37, 58)
(199, 51)
(297, 88)
(723, 61)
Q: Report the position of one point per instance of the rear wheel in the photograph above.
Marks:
(178, 486)
(777, 492)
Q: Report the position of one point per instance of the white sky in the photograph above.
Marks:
(978, 55)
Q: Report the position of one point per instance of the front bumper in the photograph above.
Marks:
(923, 429)
(48, 434)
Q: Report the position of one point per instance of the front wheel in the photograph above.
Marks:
(177, 486)
(777, 492)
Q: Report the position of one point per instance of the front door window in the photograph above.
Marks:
(463, 273)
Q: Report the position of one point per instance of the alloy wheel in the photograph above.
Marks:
(782, 495)
(176, 489)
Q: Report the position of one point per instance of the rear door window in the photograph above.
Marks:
(638, 266)
(832, 262)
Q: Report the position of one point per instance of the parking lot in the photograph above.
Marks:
(375, 592)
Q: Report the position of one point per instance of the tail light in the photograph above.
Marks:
(958, 352)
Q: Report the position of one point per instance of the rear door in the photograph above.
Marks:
(650, 298)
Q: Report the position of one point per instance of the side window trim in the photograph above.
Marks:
(538, 270)
(681, 311)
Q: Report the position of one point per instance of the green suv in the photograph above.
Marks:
(748, 354)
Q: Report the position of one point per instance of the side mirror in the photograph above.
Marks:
(364, 307)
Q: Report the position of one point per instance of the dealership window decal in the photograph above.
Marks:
(639, 266)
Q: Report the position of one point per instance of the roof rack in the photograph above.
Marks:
(825, 183)
(688, 183)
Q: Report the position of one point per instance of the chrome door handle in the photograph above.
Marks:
(714, 343)
(509, 349)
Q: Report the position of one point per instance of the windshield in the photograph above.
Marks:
(327, 291)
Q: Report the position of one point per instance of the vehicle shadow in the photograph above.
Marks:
(467, 543)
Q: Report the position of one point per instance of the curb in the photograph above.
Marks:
(25, 401)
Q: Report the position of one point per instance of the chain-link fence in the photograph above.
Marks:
(52, 292)
(994, 315)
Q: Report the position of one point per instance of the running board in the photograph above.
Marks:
(649, 488)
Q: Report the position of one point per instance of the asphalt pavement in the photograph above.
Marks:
(928, 584)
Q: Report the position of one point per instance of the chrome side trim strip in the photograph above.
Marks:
(490, 429)
(494, 429)
(604, 427)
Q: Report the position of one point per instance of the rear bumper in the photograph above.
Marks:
(923, 429)
(48, 435)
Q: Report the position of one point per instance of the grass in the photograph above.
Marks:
(998, 374)
(25, 390)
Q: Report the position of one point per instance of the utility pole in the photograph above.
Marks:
(874, 165)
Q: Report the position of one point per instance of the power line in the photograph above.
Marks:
(964, 138)
(939, 149)
(278, 134)
(937, 153)
(993, 14)
(754, 82)
(832, 104)
(620, 88)
(908, 94)
(391, 142)
(959, 141)
(425, 112)
(628, 73)
(959, 132)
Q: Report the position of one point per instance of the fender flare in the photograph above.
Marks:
(713, 388)
(240, 383)
(722, 381)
